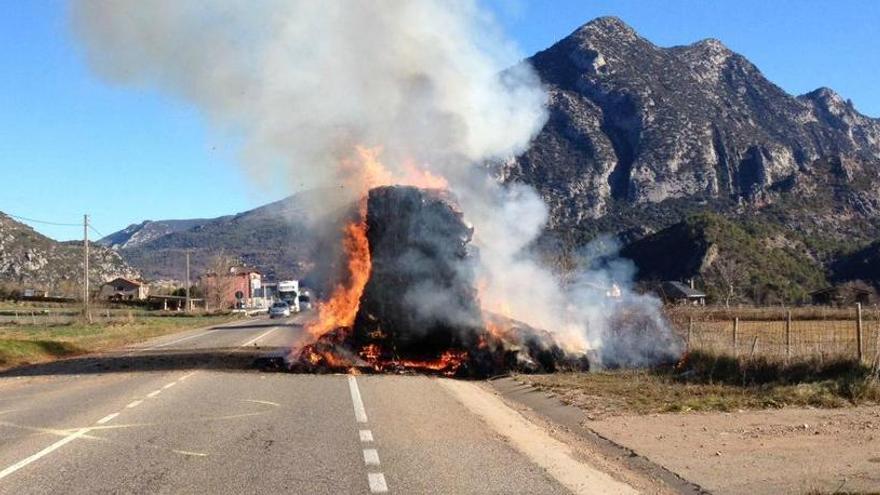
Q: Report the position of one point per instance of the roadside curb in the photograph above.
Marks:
(569, 417)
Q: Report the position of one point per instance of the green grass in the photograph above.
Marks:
(27, 344)
(703, 382)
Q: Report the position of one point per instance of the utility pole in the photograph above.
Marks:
(86, 267)
(188, 304)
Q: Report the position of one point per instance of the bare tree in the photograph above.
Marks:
(219, 281)
(726, 278)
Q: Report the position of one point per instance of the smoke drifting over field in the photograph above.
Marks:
(302, 84)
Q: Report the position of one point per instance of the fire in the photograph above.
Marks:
(419, 177)
(341, 309)
(365, 171)
(447, 364)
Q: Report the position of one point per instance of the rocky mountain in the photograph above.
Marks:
(641, 137)
(278, 238)
(634, 123)
(29, 260)
(141, 233)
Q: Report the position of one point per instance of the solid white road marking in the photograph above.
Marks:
(107, 418)
(134, 404)
(366, 435)
(371, 457)
(176, 341)
(377, 483)
(154, 393)
(169, 385)
(48, 450)
(555, 457)
(360, 413)
(258, 337)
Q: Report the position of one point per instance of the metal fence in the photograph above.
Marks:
(790, 335)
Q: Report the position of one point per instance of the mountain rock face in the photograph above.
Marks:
(141, 233)
(634, 123)
(29, 260)
(281, 239)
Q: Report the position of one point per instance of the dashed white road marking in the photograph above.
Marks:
(184, 377)
(258, 337)
(366, 435)
(107, 418)
(360, 414)
(371, 457)
(377, 483)
(48, 450)
(83, 431)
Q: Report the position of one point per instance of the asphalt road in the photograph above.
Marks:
(186, 414)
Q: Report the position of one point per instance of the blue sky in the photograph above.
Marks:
(70, 144)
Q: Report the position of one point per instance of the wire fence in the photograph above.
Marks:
(844, 333)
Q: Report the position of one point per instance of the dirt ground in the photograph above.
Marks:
(790, 450)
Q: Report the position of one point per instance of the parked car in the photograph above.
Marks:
(305, 302)
(279, 310)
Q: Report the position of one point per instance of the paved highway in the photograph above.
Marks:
(185, 414)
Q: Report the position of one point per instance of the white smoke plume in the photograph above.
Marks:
(300, 83)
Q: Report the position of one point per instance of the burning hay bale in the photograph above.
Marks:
(420, 300)
(419, 308)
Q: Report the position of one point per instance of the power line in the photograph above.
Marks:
(26, 219)
(96, 231)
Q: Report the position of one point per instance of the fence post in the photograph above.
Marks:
(859, 334)
(735, 335)
(788, 337)
(690, 332)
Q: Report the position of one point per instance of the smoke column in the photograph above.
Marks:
(302, 83)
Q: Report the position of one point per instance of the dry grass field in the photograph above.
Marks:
(22, 344)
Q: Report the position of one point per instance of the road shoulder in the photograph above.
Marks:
(568, 423)
(568, 463)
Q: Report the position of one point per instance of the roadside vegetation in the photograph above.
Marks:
(707, 382)
(35, 343)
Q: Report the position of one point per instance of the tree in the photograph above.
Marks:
(725, 279)
(219, 281)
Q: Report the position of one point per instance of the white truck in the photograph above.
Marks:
(288, 291)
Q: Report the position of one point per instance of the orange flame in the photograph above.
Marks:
(341, 309)
(364, 171)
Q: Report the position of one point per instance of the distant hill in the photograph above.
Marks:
(30, 260)
(280, 238)
(146, 231)
(735, 263)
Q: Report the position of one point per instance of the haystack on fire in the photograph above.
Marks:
(402, 107)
